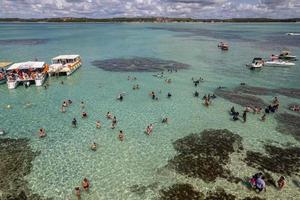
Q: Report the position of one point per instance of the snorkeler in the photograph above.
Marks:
(169, 95)
(196, 94)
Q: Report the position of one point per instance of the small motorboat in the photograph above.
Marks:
(278, 63)
(223, 46)
(257, 63)
(293, 34)
(286, 55)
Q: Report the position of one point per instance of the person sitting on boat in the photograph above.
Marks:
(121, 135)
(98, 124)
(273, 57)
(84, 115)
(94, 146)
(42, 133)
(74, 122)
(85, 184)
(108, 115)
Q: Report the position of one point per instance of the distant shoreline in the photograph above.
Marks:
(146, 20)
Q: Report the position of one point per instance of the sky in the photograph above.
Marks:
(144, 8)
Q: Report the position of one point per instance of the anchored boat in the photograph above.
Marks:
(3, 66)
(257, 63)
(286, 55)
(26, 73)
(64, 65)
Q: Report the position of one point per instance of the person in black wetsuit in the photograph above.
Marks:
(74, 123)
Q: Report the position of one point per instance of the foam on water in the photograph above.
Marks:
(116, 166)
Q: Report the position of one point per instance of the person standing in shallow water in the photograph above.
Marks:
(281, 182)
(245, 116)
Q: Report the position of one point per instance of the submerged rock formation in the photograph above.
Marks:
(288, 124)
(181, 192)
(278, 160)
(240, 98)
(138, 64)
(204, 155)
(289, 92)
(187, 192)
(16, 157)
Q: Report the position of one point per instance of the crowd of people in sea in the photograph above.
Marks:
(257, 181)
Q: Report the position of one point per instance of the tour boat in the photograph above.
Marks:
(257, 63)
(26, 73)
(278, 63)
(286, 55)
(3, 66)
(64, 65)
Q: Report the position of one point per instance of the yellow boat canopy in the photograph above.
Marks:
(5, 64)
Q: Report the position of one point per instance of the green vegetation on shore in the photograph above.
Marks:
(146, 19)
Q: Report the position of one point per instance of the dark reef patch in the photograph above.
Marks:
(141, 189)
(240, 98)
(278, 160)
(16, 157)
(204, 155)
(138, 64)
(23, 42)
(288, 124)
(219, 194)
(289, 92)
(181, 192)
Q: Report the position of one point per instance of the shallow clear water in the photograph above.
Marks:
(65, 155)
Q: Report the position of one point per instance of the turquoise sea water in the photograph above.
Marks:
(65, 154)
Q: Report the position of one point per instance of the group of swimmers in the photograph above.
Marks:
(197, 81)
(85, 185)
(65, 104)
(258, 182)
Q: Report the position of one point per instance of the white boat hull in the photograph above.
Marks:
(279, 64)
(12, 84)
(74, 69)
(255, 66)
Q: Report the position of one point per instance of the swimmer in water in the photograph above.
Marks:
(165, 120)
(114, 122)
(98, 124)
(94, 146)
(74, 123)
(121, 136)
(149, 129)
(169, 95)
(108, 115)
(85, 184)
(82, 105)
(42, 133)
(84, 115)
(263, 118)
(77, 192)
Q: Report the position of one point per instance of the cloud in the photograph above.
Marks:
(132, 8)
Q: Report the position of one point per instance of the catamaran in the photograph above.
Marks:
(3, 66)
(26, 73)
(64, 65)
